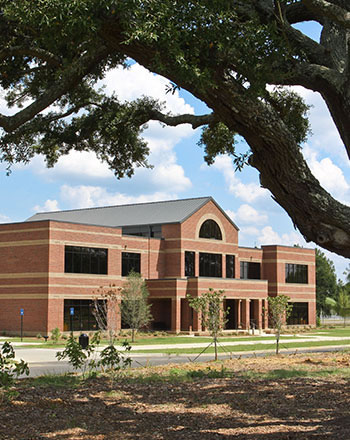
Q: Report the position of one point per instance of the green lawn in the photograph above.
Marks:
(238, 348)
(171, 340)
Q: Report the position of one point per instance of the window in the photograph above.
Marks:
(130, 261)
(83, 318)
(210, 265)
(250, 271)
(189, 264)
(296, 273)
(230, 266)
(210, 229)
(299, 314)
(85, 260)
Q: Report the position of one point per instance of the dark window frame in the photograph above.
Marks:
(296, 273)
(230, 266)
(210, 265)
(131, 261)
(250, 270)
(87, 260)
(211, 230)
(299, 314)
(190, 263)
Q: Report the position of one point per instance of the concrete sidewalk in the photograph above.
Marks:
(33, 355)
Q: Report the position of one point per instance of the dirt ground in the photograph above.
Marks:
(251, 402)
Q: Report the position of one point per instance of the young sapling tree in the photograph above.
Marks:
(279, 309)
(210, 306)
(136, 311)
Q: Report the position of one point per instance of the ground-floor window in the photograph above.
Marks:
(299, 314)
(83, 318)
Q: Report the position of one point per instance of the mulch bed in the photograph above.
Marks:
(233, 407)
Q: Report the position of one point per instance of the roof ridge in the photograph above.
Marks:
(127, 204)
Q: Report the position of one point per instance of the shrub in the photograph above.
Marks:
(55, 335)
(10, 369)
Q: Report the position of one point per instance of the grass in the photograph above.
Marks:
(56, 381)
(148, 339)
(238, 348)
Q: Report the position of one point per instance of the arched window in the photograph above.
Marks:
(210, 229)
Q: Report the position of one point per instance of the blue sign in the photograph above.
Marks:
(71, 311)
(22, 312)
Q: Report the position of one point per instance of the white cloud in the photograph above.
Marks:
(167, 174)
(248, 214)
(4, 219)
(325, 135)
(248, 192)
(89, 196)
(80, 165)
(136, 81)
(331, 177)
(49, 205)
(269, 236)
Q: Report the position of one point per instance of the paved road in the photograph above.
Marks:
(43, 361)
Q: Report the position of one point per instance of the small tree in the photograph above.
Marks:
(135, 309)
(107, 310)
(341, 304)
(278, 311)
(210, 305)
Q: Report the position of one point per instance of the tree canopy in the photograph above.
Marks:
(236, 56)
(326, 283)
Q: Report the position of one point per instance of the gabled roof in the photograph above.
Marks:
(172, 211)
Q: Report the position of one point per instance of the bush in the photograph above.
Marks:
(55, 335)
(10, 369)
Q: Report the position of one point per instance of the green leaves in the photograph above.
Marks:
(216, 139)
(10, 368)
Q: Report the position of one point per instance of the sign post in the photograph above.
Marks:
(22, 313)
(71, 312)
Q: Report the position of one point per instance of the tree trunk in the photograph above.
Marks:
(215, 348)
(278, 334)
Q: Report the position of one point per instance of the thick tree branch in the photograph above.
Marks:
(298, 12)
(71, 78)
(194, 120)
(31, 52)
(315, 52)
(334, 12)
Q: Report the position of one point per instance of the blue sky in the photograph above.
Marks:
(80, 180)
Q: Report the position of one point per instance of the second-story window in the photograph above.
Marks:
(210, 229)
(230, 266)
(210, 265)
(189, 264)
(250, 270)
(130, 261)
(79, 259)
(296, 273)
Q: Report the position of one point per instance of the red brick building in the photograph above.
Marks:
(57, 260)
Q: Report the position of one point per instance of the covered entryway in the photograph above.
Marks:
(161, 313)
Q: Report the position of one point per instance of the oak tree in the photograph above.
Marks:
(236, 56)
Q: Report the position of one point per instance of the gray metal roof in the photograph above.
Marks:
(173, 211)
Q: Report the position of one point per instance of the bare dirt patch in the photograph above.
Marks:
(249, 400)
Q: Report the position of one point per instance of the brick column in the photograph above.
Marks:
(175, 315)
(245, 314)
(196, 264)
(196, 324)
(312, 313)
